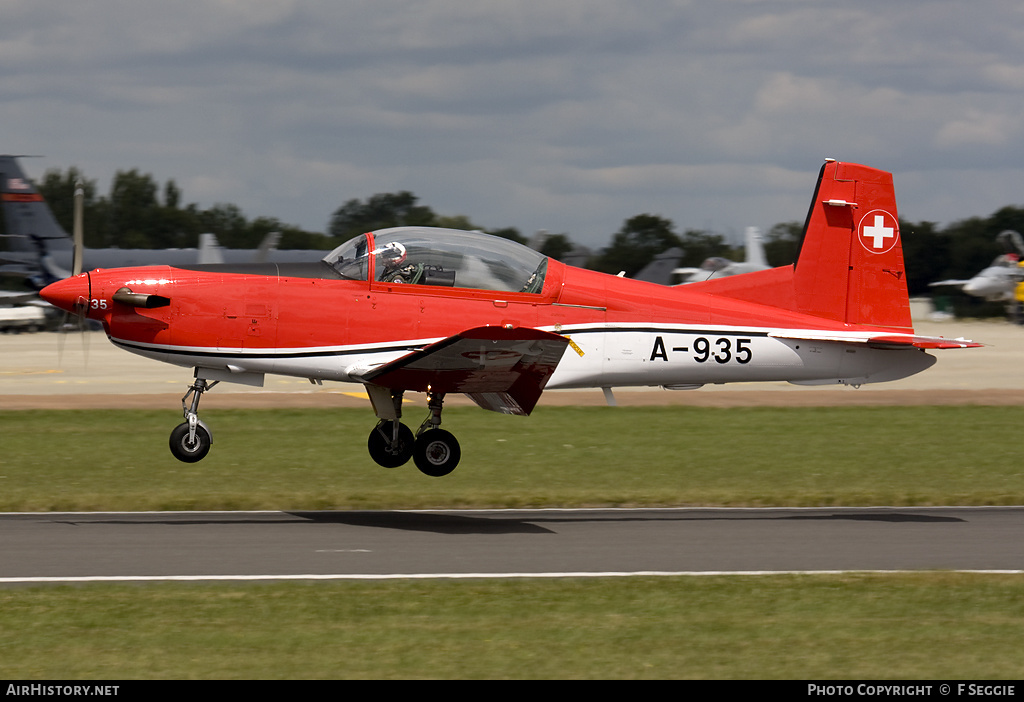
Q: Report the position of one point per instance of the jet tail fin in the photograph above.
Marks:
(28, 217)
(269, 243)
(209, 250)
(755, 247)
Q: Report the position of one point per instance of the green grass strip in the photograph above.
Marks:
(916, 626)
(565, 456)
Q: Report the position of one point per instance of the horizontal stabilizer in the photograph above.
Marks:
(501, 369)
(884, 341)
(922, 342)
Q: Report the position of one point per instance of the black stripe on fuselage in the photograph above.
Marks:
(262, 353)
(660, 330)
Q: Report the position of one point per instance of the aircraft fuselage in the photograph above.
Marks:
(302, 323)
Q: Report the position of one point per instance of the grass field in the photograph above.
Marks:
(559, 456)
(915, 626)
(911, 626)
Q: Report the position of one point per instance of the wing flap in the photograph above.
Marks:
(501, 369)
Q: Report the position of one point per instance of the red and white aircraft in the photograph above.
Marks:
(441, 311)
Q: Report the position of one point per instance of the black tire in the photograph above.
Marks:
(381, 450)
(190, 452)
(436, 453)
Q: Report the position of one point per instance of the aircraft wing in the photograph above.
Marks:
(501, 369)
(886, 341)
(13, 297)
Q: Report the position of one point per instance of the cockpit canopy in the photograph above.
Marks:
(1007, 260)
(440, 257)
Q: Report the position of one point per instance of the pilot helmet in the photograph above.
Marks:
(392, 253)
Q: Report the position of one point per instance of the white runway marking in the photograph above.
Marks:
(469, 576)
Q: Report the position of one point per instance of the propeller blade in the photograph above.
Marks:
(79, 326)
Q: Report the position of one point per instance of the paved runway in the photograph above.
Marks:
(503, 543)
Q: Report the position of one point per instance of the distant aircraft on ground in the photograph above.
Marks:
(998, 281)
(39, 249)
(440, 311)
(719, 267)
(13, 297)
(661, 268)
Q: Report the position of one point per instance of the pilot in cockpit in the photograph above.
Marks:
(391, 264)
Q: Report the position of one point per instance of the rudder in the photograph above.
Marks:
(850, 267)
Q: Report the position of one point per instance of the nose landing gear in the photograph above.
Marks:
(191, 440)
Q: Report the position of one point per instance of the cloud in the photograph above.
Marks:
(569, 116)
(977, 128)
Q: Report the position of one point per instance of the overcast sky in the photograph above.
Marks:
(565, 115)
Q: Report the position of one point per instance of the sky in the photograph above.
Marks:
(568, 116)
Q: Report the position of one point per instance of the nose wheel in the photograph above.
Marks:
(190, 446)
(191, 440)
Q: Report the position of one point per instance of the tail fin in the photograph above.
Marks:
(755, 248)
(851, 267)
(30, 223)
(210, 250)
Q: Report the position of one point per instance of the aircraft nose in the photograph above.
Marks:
(978, 288)
(70, 294)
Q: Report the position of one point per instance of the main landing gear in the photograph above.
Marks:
(191, 440)
(435, 451)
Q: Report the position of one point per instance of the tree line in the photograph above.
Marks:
(139, 213)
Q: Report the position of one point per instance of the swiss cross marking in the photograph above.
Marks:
(875, 234)
(879, 232)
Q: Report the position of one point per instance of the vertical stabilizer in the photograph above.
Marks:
(28, 217)
(851, 267)
(755, 248)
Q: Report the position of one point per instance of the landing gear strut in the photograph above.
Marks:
(435, 451)
(191, 440)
